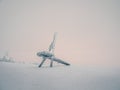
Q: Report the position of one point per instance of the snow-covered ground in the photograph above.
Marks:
(14, 76)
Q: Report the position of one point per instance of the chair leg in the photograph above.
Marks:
(42, 62)
(51, 63)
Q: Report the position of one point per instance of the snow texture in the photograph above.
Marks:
(14, 76)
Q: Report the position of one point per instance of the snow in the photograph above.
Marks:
(15, 76)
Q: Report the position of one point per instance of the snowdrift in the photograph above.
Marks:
(14, 76)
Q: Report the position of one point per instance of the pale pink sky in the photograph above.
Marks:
(88, 30)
